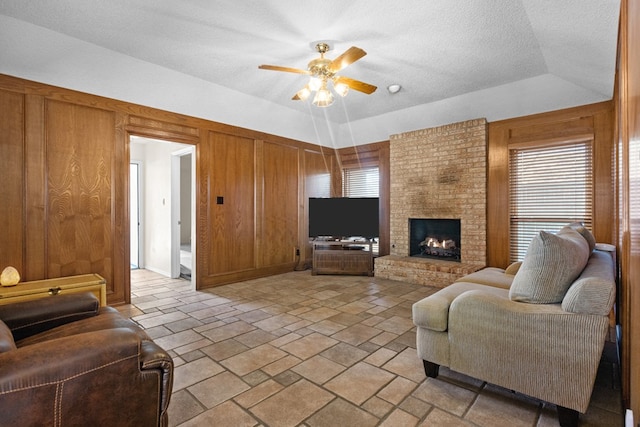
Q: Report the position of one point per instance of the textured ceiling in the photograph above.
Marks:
(436, 49)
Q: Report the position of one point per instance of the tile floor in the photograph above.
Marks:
(303, 350)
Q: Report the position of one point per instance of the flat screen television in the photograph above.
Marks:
(344, 217)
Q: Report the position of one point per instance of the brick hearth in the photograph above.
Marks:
(437, 173)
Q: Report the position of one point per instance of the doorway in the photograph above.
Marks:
(164, 205)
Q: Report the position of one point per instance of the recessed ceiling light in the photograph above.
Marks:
(394, 88)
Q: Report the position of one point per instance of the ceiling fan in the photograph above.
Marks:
(322, 71)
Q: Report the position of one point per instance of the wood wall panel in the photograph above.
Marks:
(232, 231)
(35, 189)
(628, 138)
(12, 159)
(384, 162)
(119, 289)
(280, 210)
(594, 120)
(318, 167)
(79, 156)
(497, 195)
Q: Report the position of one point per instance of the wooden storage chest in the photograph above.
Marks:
(26, 291)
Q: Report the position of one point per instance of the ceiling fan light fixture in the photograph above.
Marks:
(341, 89)
(315, 83)
(323, 98)
(304, 93)
(323, 70)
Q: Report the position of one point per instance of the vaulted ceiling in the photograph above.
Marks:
(455, 60)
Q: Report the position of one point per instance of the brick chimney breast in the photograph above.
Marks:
(439, 172)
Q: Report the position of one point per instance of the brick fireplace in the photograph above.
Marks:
(439, 172)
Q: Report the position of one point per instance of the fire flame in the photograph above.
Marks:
(434, 243)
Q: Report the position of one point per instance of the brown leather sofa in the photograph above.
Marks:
(66, 361)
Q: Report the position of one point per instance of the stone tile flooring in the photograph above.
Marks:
(296, 349)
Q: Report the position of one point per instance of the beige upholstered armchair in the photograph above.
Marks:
(539, 331)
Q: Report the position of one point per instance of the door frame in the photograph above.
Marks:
(140, 210)
(175, 211)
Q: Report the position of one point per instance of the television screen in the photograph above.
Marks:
(343, 217)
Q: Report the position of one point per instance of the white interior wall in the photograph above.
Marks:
(185, 196)
(155, 157)
(157, 201)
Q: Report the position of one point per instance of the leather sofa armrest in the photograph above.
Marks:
(31, 317)
(154, 357)
(106, 377)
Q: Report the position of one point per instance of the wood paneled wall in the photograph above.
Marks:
(64, 159)
(594, 120)
(12, 188)
(627, 101)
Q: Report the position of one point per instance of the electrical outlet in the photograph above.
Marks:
(297, 251)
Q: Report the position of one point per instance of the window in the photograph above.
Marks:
(319, 185)
(549, 186)
(363, 182)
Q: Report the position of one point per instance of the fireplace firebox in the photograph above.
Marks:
(436, 238)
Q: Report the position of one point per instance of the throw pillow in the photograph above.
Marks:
(551, 264)
(513, 268)
(585, 233)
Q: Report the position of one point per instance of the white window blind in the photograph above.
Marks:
(549, 186)
(319, 185)
(363, 182)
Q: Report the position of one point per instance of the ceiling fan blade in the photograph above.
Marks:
(350, 56)
(356, 85)
(285, 69)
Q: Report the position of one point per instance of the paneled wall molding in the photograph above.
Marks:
(143, 126)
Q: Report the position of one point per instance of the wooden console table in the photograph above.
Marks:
(342, 257)
(26, 291)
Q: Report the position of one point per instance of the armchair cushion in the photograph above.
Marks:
(552, 263)
(490, 276)
(433, 312)
(6, 338)
(32, 317)
(107, 318)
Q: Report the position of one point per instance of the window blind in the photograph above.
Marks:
(363, 182)
(319, 185)
(549, 187)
